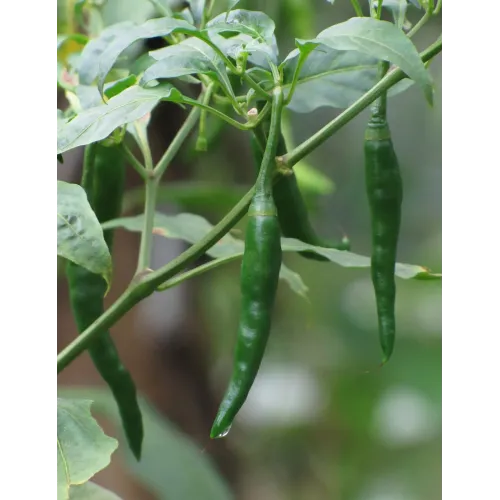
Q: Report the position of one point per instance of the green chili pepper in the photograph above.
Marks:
(103, 181)
(259, 281)
(292, 211)
(385, 194)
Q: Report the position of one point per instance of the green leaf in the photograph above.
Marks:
(91, 491)
(171, 466)
(98, 122)
(349, 259)
(186, 58)
(192, 228)
(379, 39)
(255, 24)
(82, 447)
(100, 54)
(74, 37)
(196, 7)
(240, 44)
(79, 235)
(333, 78)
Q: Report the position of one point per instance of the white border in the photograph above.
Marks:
(471, 250)
(28, 274)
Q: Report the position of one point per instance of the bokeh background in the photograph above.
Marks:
(322, 420)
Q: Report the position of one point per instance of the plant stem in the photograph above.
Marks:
(147, 231)
(296, 73)
(177, 142)
(357, 8)
(309, 145)
(198, 270)
(245, 76)
(146, 285)
(438, 8)
(423, 20)
(134, 162)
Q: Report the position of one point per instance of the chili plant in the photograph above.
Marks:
(231, 60)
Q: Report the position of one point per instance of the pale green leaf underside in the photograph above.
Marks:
(91, 491)
(380, 39)
(332, 78)
(79, 234)
(82, 447)
(192, 228)
(98, 122)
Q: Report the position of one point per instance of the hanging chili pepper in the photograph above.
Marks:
(103, 181)
(385, 195)
(259, 281)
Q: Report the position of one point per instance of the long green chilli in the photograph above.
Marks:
(292, 210)
(103, 180)
(384, 188)
(259, 281)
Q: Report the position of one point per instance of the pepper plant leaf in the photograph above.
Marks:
(332, 78)
(100, 54)
(188, 57)
(192, 228)
(82, 447)
(98, 122)
(253, 23)
(169, 459)
(91, 491)
(80, 237)
(379, 39)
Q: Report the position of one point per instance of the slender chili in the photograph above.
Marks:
(385, 195)
(292, 210)
(259, 281)
(103, 180)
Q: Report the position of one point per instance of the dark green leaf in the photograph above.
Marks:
(114, 88)
(379, 39)
(99, 122)
(100, 54)
(79, 235)
(170, 460)
(82, 447)
(334, 78)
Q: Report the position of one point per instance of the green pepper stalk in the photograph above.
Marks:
(103, 181)
(259, 281)
(385, 195)
(292, 211)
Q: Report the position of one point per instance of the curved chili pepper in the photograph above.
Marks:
(103, 181)
(292, 210)
(384, 188)
(259, 282)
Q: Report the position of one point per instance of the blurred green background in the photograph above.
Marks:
(323, 421)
